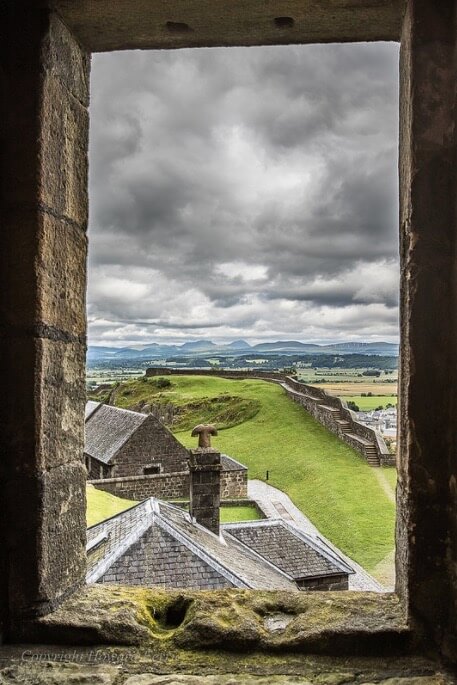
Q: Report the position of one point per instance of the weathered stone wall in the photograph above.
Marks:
(169, 485)
(312, 399)
(427, 484)
(234, 484)
(162, 486)
(43, 186)
(228, 373)
(151, 443)
(95, 469)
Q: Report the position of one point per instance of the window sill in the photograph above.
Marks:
(326, 623)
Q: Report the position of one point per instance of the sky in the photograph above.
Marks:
(244, 193)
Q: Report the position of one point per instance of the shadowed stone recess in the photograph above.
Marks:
(427, 476)
(42, 312)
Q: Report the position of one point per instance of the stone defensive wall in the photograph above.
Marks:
(330, 411)
(234, 484)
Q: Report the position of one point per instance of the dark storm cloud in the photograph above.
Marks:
(244, 187)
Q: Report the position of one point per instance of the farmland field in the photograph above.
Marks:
(351, 388)
(370, 403)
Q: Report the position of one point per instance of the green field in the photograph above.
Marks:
(370, 403)
(326, 479)
(242, 513)
(102, 505)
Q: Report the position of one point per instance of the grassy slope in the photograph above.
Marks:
(225, 409)
(391, 475)
(326, 479)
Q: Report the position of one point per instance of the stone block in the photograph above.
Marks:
(61, 276)
(50, 286)
(63, 152)
(43, 425)
(64, 59)
(46, 121)
(46, 545)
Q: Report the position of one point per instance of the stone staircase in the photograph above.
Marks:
(365, 446)
(344, 426)
(369, 449)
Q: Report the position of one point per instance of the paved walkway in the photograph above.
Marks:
(276, 504)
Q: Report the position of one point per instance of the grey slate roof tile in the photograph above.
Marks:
(107, 429)
(158, 544)
(288, 549)
(230, 464)
(90, 408)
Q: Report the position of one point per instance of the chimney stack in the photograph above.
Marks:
(205, 480)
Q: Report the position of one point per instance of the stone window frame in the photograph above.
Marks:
(44, 75)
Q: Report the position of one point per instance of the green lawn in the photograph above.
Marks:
(326, 479)
(370, 403)
(102, 505)
(234, 514)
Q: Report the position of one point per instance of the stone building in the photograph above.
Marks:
(156, 544)
(135, 456)
(120, 443)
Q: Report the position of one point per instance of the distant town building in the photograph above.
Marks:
(382, 420)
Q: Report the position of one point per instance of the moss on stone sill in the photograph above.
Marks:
(229, 620)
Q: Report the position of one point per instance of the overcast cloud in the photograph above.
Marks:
(244, 193)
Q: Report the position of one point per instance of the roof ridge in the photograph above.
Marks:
(263, 558)
(119, 550)
(123, 409)
(202, 554)
(326, 551)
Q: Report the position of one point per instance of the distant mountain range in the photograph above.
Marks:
(239, 347)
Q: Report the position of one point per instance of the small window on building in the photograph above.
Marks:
(151, 470)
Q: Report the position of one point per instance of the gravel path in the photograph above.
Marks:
(276, 504)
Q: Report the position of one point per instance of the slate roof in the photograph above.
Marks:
(158, 544)
(107, 429)
(231, 464)
(90, 408)
(294, 552)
